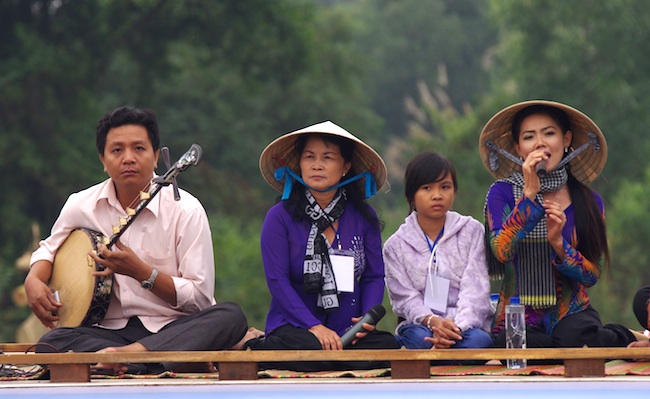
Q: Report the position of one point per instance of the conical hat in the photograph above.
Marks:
(281, 152)
(586, 166)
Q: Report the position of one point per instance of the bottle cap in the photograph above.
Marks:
(494, 297)
(514, 300)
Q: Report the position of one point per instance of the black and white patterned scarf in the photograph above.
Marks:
(534, 253)
(317, 267)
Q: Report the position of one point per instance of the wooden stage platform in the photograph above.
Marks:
(409, 375)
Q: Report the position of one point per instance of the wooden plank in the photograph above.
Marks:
(16, 347)
(406, 364)
(238, 371)
(70, 373)
(584, 368)
(410, 369)
(346, 355)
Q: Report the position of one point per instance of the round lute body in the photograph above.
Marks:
(84, 298)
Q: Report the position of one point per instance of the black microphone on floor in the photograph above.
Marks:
(372, 317)
(540, 169)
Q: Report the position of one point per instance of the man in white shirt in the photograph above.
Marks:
(162, 266)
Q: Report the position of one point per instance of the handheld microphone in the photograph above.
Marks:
(540, 169)
(372, 317)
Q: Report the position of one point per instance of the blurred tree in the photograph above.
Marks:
(436, 125)
(408, 40)
(239, 270)
(628, 234)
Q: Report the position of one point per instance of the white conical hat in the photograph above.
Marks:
(586, 166)
(281, 152)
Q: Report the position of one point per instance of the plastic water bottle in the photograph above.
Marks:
(515, 331)
(494, 301)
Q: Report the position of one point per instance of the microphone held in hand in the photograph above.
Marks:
(540, 169)
(372, 317)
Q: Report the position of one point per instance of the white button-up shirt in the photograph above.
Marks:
(172, 236)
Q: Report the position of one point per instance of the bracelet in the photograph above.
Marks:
(429, 321)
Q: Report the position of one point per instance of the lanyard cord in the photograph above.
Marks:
(337, 238)
(289, 176)
(433, 248)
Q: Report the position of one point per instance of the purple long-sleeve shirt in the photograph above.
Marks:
(283, 243)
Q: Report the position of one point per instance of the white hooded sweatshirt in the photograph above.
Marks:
(460, 258)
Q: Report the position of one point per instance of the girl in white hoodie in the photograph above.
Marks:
(435, 264)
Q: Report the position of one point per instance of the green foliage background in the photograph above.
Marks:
(232, 75)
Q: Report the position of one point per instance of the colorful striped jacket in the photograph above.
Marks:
(508, 223)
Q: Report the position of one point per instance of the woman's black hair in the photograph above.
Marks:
(424, 168)
(355, 191)
(591, 230)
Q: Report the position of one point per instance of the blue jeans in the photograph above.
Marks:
(412, 336)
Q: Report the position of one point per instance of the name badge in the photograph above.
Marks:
(343, 267)
(436, 293)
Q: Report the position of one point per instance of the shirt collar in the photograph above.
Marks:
(108, 193)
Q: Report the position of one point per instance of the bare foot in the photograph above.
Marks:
(116, 368)
(252, 333)
(108, 368)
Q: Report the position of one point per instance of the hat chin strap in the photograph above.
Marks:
(289, 176)
(494, 151)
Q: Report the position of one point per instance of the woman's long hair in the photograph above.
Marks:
(591, 231)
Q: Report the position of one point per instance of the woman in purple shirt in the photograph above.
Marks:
(321, 244)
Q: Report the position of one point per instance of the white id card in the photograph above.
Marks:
(343, 267)
(436, 292)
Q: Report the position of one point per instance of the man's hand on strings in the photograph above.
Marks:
(121, 261)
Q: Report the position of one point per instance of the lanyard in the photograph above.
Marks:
(432, 246)
(289, 176)
(336, 236)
